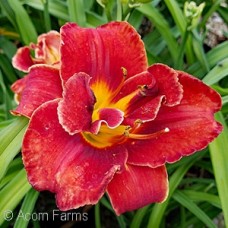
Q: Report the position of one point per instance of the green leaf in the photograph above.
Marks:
(209, 12)
(214, 56)
(217, 73)
(163, 27)
(223, 91)
(135, 19)
(24, 23)
(13, 193)
(138, 217)
(11, 151)
(9, 49)
(77, 12)
(7, 69)
(203, 196)
(8, 133)
(14, 167)
(5, 123)
(158, 210)
(199, 51)
(59, 10)
(27, 208)
(6, 98)
(9, 12)
(94, 20)
(56, 8)
(120, 218)
(181, 23)
(225, 100)
(191, 206)
(219, 158)
(177, 14)
(222, 10)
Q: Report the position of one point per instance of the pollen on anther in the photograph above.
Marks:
(124, 70)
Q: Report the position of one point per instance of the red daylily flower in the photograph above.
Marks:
(46, 51)
(109, 123)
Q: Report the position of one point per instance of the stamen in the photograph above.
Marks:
(137, 124)
(146, 136)
(126, 131)
(124, 70)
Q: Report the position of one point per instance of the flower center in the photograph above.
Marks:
(108, 117)
(107, 137)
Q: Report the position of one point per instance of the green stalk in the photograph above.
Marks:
(180, 21)
(179, 63)
(97, 216)
(199, 50)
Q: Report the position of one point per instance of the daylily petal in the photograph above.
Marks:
(18, 87)
(46, 52)
(133, 83)
(42, 84)
(143, 111)
(139, 98)
(111, 116)
(108, 53)
(48, 47)
(76, 108)
(198, 94)
(191, 126)
(76, 174)
(22, 60)
(136, 187)
(167, 83)
(151, 88)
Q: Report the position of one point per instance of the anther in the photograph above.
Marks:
(147, 136)
(127, 131)
(124, 70)
(143, 89)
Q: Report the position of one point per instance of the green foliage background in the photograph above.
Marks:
(199, 183)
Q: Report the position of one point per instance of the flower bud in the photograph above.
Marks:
(192, 13)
